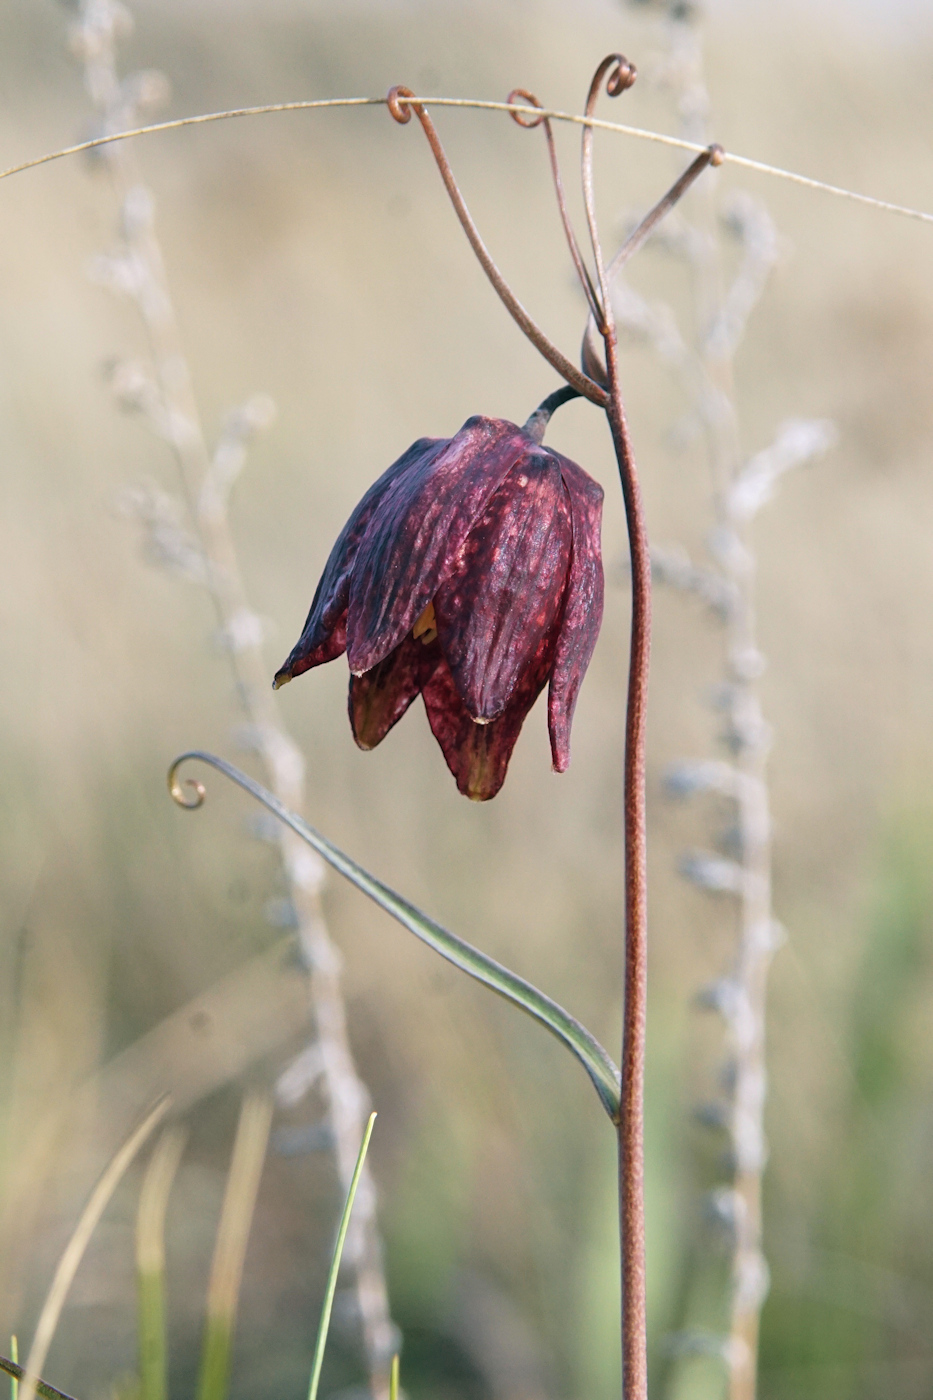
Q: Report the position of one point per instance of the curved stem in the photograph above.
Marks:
(401, 108)
(522, 94)
(714, 155)
(631, 1117)
(536, 424)
(621, 75)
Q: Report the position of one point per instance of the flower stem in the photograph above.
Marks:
(631, 1115)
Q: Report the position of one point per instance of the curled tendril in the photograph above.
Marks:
(189, 793)
(524, 119)
(622, 76)
(398, 107)
(401, 103)
(619, 74)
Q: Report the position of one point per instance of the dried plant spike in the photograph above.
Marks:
(207, 552)
(74, 1250)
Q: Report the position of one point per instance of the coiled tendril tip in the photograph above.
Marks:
(187, 793)
(622, 76)
(524, 119)
(398, 107)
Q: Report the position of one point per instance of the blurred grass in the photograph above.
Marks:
(315, 258)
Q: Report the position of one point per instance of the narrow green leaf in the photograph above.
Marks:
(324, 1325)
(150, 1307)
(150, 1262)
(492, 974)
(393, 1379)
(17, 1372)
(236, 1218)
(214, 1373)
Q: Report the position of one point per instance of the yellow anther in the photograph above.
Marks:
(426, 626)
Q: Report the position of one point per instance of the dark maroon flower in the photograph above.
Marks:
(469, 573)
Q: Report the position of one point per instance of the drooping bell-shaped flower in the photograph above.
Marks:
(470, 573)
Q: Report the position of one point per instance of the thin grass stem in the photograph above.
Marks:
(150, 1261)
(74, 1250)
(17, 1373)
(477, 104)
(236, 1218)
(331, 1288)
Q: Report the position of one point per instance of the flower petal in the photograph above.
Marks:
(478, 754)
(380, 697)
(583, 609)
(506, 587)
(324, 635)
(420, 524)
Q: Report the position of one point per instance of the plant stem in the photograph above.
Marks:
(631, 1116)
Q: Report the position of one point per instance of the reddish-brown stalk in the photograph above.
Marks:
(601, 385)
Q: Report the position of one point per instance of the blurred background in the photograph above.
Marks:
(313, 257)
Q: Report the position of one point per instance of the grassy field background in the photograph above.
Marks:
(314, 257)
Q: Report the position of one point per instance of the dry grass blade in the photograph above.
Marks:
(150, 1260)
(74, 1250)
(236, 1217)
(659, 137)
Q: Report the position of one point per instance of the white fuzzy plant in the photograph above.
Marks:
(741, 486)
(191, 534)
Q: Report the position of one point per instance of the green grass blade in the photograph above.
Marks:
(16, 1374)
(150, 1261)
(236, 1218)
(393, 1379)
(492, 974)
(324, 1325)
